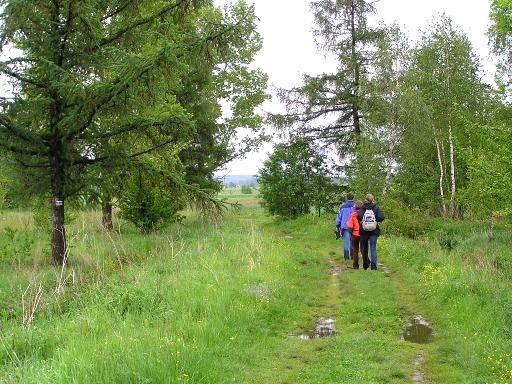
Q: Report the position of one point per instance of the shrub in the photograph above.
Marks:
(148, 206)
(15, 245)
(449, 233)
(246, 190)
(294, 179)
(402, 220)
(448, 239)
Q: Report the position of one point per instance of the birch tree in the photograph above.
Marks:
(444, 79)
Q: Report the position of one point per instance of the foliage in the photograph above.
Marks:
(294, 179)
(367, 172)
(490, 180)
(501, 37)
(147, 205)
(223, 94)
(403, 220)
(442, 101)
(102, 82)
(16, 245)
(246, 190)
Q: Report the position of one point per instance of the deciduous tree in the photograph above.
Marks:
(294, 179)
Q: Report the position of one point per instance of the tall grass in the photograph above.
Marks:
(214, 303)
(195, 303)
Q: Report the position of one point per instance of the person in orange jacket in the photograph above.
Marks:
(353, 225)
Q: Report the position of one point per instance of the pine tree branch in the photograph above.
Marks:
(117, 10)
(307, 117)
(18, 60)
(18, 133)
(146, 20)
(123, 82)
(129, 127)
(154, 148)
(120, 85)
(96, 160)
(35, 165)
(21, 151)
(21, 78)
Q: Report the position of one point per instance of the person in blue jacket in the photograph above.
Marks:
(344, 213)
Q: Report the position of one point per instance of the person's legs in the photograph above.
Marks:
(355, 252)
(373, 251)
(346, 244)
(363, 243)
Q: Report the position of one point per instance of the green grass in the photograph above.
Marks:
(469, 299)
(215, 302)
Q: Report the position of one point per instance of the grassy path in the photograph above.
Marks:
(369, 310)
(464, 296)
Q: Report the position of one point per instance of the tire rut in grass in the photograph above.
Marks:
(418, 331)
(417, 376)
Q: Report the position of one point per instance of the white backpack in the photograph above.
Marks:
(369, 221)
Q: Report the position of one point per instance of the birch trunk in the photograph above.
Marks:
(452, 172)
(441, 175)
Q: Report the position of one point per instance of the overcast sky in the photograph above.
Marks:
(289, 50)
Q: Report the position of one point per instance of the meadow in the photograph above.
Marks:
(220, 301)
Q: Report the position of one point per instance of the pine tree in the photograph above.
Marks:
(331, 107)
(89, 75)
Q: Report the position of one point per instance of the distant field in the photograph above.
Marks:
(235, 195)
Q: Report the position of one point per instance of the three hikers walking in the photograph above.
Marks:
(359, 226)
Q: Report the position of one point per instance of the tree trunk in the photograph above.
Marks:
(355, 63)
(59, 253)
(441, 175)
(389, 164)
(107, 216)
(452, 173)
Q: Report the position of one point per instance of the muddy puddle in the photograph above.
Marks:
(418, 330)
(324, 327)
(335, 271)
